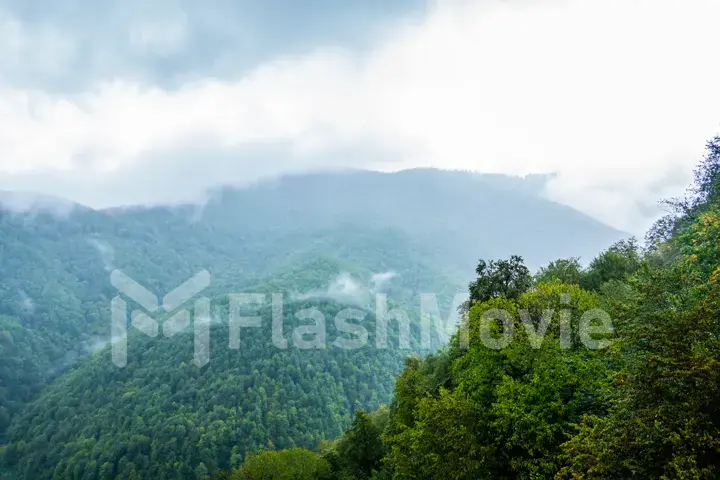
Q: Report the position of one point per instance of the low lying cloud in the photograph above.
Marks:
(96, 344)
(347, 289)
(380, 280)
(105, 250)
(343, 288)
(26, 303)
(617, 98)
(32, 202)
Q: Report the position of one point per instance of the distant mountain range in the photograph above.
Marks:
(462, 216)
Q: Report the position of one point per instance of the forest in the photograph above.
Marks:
(563, 397)
(645, 403)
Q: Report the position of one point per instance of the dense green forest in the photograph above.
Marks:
(164, 417)
(55, 290)
(543, 406)
(295, 234)
(640, 401)
(70, 315)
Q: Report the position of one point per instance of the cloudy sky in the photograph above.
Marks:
(107, 102)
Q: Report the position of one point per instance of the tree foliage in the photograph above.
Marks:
(292, 464)
(566, 270)
(508, 278)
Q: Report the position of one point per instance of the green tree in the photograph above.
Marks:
(618, 262)
(361, 449)
(566, 270)
(292, 464)
(509, 278)
(508, 408)
(665, 420)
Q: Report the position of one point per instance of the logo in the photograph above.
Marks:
(171, 302)
(494, 328)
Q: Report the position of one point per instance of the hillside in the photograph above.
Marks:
(162, 416)
(330, 236)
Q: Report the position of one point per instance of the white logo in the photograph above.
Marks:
(143, 322)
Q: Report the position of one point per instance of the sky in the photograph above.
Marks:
(115, 103)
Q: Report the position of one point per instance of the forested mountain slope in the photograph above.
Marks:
(163, 417)
(333, 236)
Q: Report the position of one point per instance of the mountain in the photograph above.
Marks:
(332, 239)
(24, 202)
(461, 216)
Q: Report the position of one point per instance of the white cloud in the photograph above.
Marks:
(617, 97)
(343, 288)
(26, 302)
(380, 280)
(105, 250)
